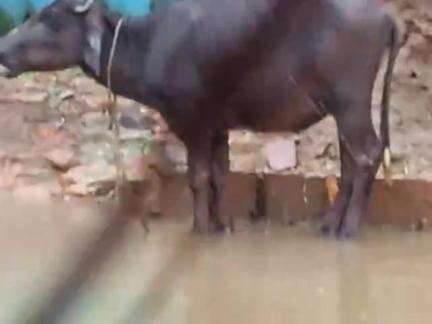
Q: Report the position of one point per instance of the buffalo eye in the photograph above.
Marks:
(52, 19)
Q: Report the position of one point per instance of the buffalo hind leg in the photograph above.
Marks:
(366, 150)
(219, 173)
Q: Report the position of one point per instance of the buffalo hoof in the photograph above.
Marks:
(328, 229)
(213, 227)
(199, 229)
(218, 226)
(330, 223)
(349, 228)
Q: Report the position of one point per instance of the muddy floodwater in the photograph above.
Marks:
(75, 265)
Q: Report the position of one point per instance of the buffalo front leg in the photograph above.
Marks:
(219, 172)
(361, 191)
(332, 220)
(199, 173)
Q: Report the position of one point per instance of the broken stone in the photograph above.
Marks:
(329, 152)
(39, 114)
(67, 94)
(94, 102)
(148, 122)
(133, 117)
(137, 169)
(37, 193)
(129, 122)
(8, 173)
(149, 193)
(152, 197)
(95, 150)
(25, 97)
(85, 85)
(176, 153)
(281, 154)
(33, 171)
(132, 134)
(99, 178)
(244, 142)
(91, 174)
(83, 180)
(77, 189)
(3, 156)
(46, 131)
(94, 123)
(332, 186)
(61, 158)
(248, 163)
(157, 159)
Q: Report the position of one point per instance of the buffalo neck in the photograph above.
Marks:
(128, 70)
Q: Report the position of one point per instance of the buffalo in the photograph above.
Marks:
(211, 66)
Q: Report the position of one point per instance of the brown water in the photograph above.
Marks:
(261, 274)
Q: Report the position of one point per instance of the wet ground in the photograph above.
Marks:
(75, 265)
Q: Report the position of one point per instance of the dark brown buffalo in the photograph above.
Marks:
(211, 66)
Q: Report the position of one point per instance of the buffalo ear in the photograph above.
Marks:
(111, 19)
(93, 46)
(99, 21)
(93, 49)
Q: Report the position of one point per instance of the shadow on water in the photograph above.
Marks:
(353, 286)
(148, 308)
(259, 275)
(63, 296)
(152, 302)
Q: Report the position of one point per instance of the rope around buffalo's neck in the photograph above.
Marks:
(112, 110)
(112, 54)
